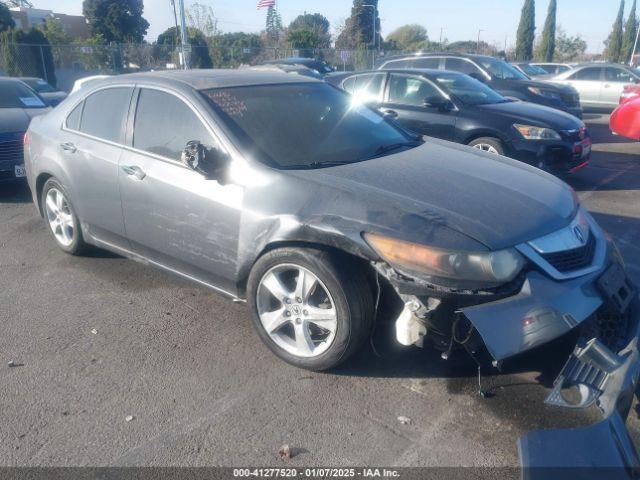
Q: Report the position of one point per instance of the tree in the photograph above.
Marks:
(614, 42)
(568, 49)
(117, 21)
(409, 38)
(201, 18)
(19, 3)
(274, 25)
(526, 31)
(358, 28)
(26, 54)
(630, 31)
(302, 39)
(317, 27)
(548, 42)
(6, 20)
(234, 49)
(52, 29)
(167, 47)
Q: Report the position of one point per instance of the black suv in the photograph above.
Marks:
(496, 73)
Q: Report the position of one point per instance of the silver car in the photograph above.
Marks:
(325, 216)
(599, 84)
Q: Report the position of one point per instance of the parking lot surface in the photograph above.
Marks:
(122, 364)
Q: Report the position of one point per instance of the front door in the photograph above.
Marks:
(407, 100)
(173, 215)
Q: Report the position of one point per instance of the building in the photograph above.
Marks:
(27, 18)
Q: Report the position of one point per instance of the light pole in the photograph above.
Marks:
(185, 38)
(478, 44)
(375, 11)
(635, 44)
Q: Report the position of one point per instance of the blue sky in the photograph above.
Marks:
(460, 19)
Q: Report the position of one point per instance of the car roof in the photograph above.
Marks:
(417, 71)
(207, 79)
(11, 80)
(437, 54)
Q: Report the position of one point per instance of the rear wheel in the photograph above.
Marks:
(61, 218)
(312, 308)
(488, 144)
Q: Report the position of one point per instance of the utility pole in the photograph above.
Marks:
(175, 20)
(478, 45)
(440, 42)
(186, 48)
(635, 44)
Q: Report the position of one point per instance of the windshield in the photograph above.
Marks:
(39, 85)
(467, 89)
(307, 125)
(18, 95)
(532, 70)
(501, 69)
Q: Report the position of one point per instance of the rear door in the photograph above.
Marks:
(588, 82)
(405, 100)
(615, 79)
(173, 215)
(91, 144)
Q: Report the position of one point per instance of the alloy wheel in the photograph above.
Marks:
(485, 147)
(296, 310)
(60, 217)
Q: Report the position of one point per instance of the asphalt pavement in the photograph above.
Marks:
(121, 364)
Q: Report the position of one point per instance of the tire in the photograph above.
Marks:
(67, 233)
(339, 284)
(488, 144)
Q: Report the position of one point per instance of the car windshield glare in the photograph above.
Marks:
(468, 90)
(18, 95)
(304, 125)
(501, 69)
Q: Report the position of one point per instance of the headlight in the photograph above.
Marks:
(545, 93)
(487, 268)
(530, 132)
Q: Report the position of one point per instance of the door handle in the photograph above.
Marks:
(389, 113)
(68, 147)
(133, 171)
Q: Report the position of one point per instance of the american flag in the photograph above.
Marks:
(266, 3)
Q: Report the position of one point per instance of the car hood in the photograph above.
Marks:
(18, 119)
(56, 97)
(417, 193)
(534, 114)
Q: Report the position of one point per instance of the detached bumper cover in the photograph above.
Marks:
(602, 450)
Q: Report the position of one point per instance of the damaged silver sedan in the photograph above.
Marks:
(321, 214)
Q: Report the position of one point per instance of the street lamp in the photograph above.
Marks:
(478, 44)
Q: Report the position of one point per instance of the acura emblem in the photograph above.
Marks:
(579, 235)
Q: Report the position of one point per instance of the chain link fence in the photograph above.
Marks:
(62, 65)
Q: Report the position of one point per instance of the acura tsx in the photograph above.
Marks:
(280, 191)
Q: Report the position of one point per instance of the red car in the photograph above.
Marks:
(630, 92)
(625, 120)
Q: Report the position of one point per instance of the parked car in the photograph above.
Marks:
(531, 70)
(86, 81)
(629, 92)
(318, 211)
(50, 94)
(455, 107)
(553, 68)
(320, 66)
(18, 105)
(625, 120)
(599, 84)
(499, 75)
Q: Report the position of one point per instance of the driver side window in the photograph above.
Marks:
(410, 90)
(164, 124)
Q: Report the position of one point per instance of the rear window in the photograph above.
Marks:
(105, 112)
(73, 120)
(18, 95)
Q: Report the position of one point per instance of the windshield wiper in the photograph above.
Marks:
(384, 149)
(313, 165)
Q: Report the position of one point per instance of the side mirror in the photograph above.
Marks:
(208, 162)
(478, 76)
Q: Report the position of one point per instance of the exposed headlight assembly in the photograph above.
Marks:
(464, 268)
(545, 93)
(530, 132)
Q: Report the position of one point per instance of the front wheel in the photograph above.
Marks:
(312, 308)
(488, 144)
